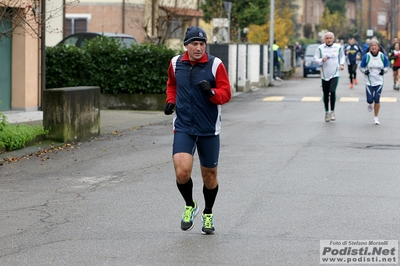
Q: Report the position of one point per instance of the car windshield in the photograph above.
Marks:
(310, 51)
(71, 41)
(128, 42)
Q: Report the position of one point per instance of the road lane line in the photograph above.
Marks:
(311, 99)
(349, 99)
(388, 99)
(273, 99)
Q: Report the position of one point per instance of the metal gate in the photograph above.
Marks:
(5, 66)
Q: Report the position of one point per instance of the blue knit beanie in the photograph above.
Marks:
(194, 33)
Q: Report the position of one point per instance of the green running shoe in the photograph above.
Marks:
(208, 224)
(188, 215)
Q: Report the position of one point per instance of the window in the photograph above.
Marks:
(175, 29)
(75, 23)
(71, 41)
(350, 13)
(381, 18)
(312, 9)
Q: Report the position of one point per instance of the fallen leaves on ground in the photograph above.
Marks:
(42, 153)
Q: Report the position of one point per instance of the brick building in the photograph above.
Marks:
(144, 19)
(378, 15)
(382, 16)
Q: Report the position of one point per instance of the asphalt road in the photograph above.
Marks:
(287, 180)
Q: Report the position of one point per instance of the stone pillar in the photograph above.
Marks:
(242, 81)
(71, 114)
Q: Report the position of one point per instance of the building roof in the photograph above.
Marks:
(184, 12)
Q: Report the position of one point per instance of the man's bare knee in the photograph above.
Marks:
(183, 163)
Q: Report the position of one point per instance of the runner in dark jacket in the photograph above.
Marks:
(353, 54)
(197, 86)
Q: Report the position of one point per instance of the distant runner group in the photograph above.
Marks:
(374, 64)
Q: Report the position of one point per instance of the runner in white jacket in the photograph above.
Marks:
(331, 57)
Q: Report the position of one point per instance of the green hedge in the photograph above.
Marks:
(103, 62)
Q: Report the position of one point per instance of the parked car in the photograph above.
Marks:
(79, 39)
(309, 66)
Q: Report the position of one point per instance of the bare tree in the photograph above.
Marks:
(163, 20)
(26, 14)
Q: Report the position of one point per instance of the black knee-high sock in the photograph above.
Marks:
(186, 191)
(209, 198)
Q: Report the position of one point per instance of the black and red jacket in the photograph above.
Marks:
(195, 113)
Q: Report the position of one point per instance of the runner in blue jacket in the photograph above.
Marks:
(353, 54)
(374, 65)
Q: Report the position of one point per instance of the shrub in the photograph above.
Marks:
(104, 62)
(13, 137)
(65, 65)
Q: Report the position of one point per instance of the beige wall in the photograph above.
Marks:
(25, 71)
(54, 22)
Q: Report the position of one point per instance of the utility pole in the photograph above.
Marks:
(228, 9)
(369, 14)
(271, 40)
(361, 21)
(64, 22)
(123, 16)
(392, 15)
(395, 11)
(42, 51)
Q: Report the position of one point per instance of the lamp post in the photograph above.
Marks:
(228, 9)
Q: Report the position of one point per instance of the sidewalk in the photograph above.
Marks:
(110, 121)
(14, 117)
